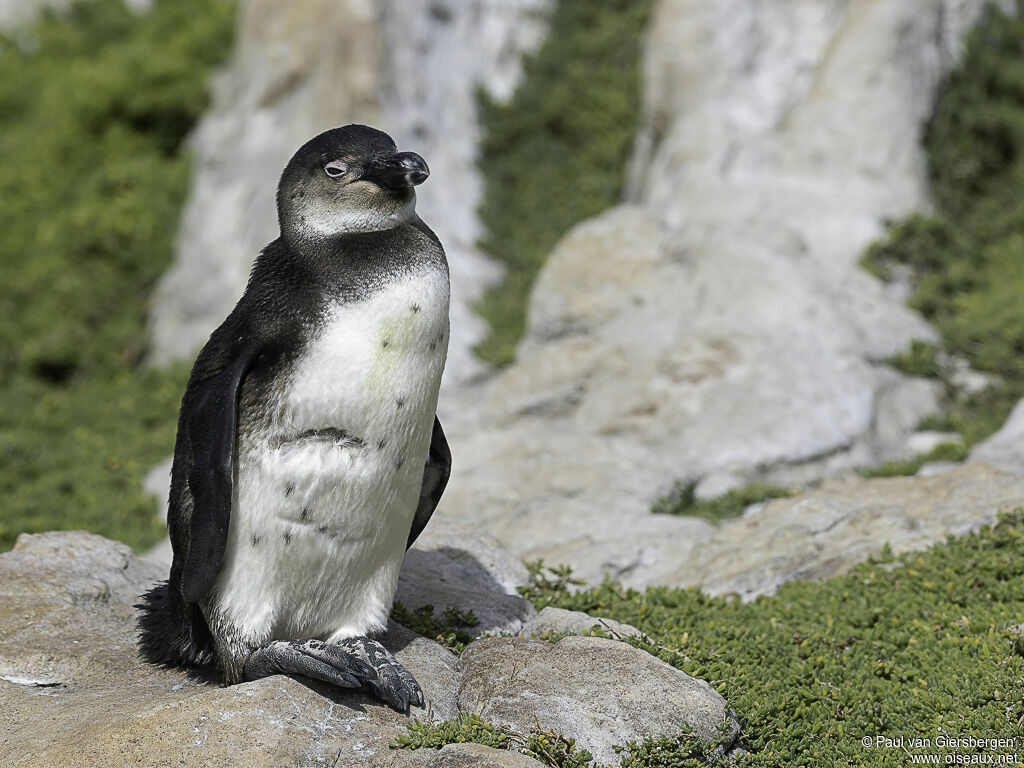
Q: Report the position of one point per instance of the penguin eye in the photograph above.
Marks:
(335, 168)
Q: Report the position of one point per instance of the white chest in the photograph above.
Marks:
(327, 487)
(375, 365)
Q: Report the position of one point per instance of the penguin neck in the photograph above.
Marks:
(345, 254)
(312, 228)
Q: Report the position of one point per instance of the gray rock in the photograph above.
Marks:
(827, 531)
(1004, 449)
(18, 13)
(718, 325)
(409, 67)
(929, 440)
(558, 621)
(599, 692)
(479, 756)
(69, 670)
(932, 468)
(452, 565)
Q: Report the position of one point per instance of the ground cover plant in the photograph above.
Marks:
(925, 644)
(556, 153)
(95, 103)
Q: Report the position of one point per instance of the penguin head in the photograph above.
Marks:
(348, 179)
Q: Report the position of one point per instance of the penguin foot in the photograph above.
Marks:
(356, 662)
(391, 682)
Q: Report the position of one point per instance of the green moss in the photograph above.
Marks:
(450, 630)
(730, 504)
(916, 645)
(967, 260)
(94, 106)
(556, 153)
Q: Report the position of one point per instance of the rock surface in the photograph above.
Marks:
(516, 683)
(718, 324)
(826, 532)
(470, 572)
(1004, 449)
(16, 13)
(558, 621)
(73, 691)
(408, 67)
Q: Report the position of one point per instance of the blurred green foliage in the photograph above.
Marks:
(556, 153)
(919, 645)
(683, 501)
(967, 259)
(95, 103)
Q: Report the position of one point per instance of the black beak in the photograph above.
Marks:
(402, 170)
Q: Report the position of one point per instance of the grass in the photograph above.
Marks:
(967, 258)
(94, 106)
(556, 153)
(919, 645)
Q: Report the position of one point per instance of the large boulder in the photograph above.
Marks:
(408, 67)
(601, 692)
(73, 691)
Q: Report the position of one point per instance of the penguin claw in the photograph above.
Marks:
(391, 682)
(357, 662)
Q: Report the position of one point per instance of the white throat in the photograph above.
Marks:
(328, 223)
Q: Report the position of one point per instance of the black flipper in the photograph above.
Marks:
(210, 416)
(352, 663)
(435, 477)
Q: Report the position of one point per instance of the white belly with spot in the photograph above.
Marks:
(325, 494)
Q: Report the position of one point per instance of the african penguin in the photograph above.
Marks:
(309, 456)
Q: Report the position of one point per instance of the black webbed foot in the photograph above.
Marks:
(357, 662)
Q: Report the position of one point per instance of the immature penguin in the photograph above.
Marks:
(309, 456)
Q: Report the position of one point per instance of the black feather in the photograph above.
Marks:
(171, 631)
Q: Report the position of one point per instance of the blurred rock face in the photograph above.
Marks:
(14, 13)
(717, 327)
(407, 67)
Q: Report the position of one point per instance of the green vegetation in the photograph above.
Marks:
(556, 153)
(681, 501)
(967, 260)
(94, 106)
(466, 728)
(547, 747)
(450, 630)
